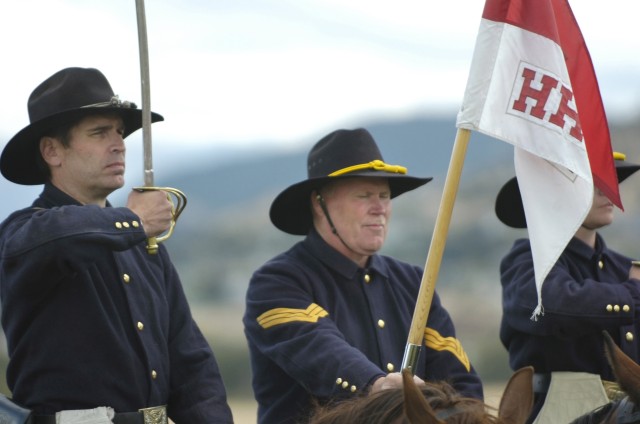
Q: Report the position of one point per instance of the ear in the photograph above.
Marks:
(50, 150)
(517, 399)
(627, 372)
(315, 202)
(416, 407)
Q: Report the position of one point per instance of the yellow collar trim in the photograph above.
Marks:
(377, 165)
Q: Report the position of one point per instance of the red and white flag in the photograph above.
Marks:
(532, 84)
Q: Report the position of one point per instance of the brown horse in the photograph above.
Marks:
(438, 403)
(627, 374)
(434, 403)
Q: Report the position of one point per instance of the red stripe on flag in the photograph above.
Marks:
(593, 118)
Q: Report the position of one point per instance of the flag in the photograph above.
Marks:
(532, 84)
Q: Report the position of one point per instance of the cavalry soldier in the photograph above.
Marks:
(93, 321)
(590, 289)
(329, 318)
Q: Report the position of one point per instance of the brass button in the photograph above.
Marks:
(135, 224)
(390, 367)
(367, 278)
(125, 224)
(126, 278)
(345, 384)
(118, 225)
(609, 308)
(625, 308)
(338, 381)
(140, 326)
(154, 374)
(600, 264)
(353, 389)
(629, 336)
(616, 308)
(381, 323)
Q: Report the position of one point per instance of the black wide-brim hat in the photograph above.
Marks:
(509, 207)
(341, 154)
(63, 98)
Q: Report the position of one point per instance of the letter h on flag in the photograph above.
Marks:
(532, 84)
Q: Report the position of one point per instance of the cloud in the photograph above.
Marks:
(274, 71)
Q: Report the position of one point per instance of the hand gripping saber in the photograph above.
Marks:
(180, 198)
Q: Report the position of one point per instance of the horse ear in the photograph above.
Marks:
(626, 371)
(517, 399)
(416, 407)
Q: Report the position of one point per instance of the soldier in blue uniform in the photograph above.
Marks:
(329, 318)
(591, 288)
(93, 322)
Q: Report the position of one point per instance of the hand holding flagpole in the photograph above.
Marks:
(181, 199)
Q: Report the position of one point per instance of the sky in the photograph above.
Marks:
(253, 72)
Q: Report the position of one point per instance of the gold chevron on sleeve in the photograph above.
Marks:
(279, 316)
(435, 341)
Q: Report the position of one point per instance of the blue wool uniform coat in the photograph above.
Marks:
(586, 292)
(318, 326)
(92, 319)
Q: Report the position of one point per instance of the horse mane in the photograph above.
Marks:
(433, 403)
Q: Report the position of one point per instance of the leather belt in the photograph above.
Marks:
(541, 382)
(154, 415)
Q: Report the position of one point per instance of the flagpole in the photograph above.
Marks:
(436, 250)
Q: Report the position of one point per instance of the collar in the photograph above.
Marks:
(339, 263)
(52, 196)
(578, 247)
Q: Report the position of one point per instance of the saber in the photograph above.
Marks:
(181, 199)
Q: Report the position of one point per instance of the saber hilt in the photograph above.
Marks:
(176, 209)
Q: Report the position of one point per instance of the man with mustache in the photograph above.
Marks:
(329, 318)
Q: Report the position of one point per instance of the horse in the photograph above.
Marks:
(627, 373)
(439, 403)
(433, 403)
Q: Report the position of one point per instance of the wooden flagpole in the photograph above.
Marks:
(436, 250)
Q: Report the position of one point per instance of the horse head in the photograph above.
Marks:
(627, 374)
(440, 404)
(433, 403)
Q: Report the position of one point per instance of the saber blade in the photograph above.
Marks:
(146, 93)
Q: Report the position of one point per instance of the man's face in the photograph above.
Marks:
(601, 213)
(92, 165)
(360, 209)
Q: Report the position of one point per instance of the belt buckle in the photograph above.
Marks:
(155, 415)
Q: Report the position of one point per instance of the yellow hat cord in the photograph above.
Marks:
(376, 165)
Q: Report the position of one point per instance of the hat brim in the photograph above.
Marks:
(509, 208)
(18, 162)
(291, 211)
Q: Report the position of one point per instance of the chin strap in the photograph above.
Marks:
(323, 206)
